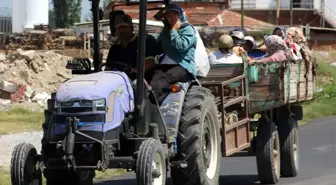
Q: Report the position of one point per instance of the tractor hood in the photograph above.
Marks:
(114, 87)
(94, 86)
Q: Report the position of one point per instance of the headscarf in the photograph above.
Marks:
(275, 43)
(296, 34)
(225, 43)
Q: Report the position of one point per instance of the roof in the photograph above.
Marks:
(209, 17)
(230, 18)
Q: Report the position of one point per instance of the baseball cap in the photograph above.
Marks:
(123, 20)
(175, 8)
(250, 39)
(239, 34)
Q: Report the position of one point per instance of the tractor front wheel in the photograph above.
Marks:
(151, 163)
(23, 166)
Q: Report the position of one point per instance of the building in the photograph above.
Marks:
(318, 13)
(211, 14)
(5, 20)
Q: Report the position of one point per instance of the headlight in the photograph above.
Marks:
(99, 103)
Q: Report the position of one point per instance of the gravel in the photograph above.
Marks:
(8, 143)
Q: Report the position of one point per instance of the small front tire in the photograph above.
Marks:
(151, 163)
(23, 165)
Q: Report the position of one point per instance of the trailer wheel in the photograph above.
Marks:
(198, 140)
(289, 146)
(268, 152)
(151, 163)
(23, 165)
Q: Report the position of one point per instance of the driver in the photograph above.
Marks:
(124, 50)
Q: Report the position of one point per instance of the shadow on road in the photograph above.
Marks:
(223, 180)
(238, 180)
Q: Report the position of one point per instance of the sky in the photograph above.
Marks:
(85, 6)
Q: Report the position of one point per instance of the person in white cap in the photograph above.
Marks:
(249, 43)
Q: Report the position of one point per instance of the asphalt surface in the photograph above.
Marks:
(317, 144)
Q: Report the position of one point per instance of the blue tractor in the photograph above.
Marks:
(102, 120)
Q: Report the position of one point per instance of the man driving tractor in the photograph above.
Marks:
(176, 41)
(125, 48)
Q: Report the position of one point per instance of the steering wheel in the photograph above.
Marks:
(117, 66)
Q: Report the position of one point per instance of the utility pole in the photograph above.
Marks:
(322, 21)
(242, 14)
(291, 12)
(277, 13)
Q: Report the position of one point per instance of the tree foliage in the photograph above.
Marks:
(67, 12)
(106, 2)
(89, 17)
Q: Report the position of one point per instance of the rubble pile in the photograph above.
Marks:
(42, 40)
(31, 75)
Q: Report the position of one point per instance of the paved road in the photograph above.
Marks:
(317, 160)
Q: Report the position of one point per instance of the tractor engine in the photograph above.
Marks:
(86, 118)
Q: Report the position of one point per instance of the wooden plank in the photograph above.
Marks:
(269, 79)
(266, 93)
(223, 73)
(293, 92)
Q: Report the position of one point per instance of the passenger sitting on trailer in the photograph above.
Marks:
(125, 49)
(224, 54)
(249, 43)
(279, 31)
(238, 41)
(276, 49)
(178, 41)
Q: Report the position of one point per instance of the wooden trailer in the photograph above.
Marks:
(273, 91)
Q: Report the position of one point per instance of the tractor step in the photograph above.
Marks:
(179, 164)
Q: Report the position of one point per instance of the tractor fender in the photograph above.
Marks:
(171, 107)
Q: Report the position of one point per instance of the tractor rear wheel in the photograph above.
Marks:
(268, 152)
(198, 140)
(23, 165)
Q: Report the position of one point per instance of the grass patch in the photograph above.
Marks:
(5, 178)
(20, 119)
(324, 102)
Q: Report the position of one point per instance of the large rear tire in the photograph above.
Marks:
(268, 152)
(198, 140)
(151, 163)
(23, 165)
(289, 146)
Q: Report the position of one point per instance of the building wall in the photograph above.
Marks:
(18, 15)
(300, 17)
(270, 4)
(5, 24)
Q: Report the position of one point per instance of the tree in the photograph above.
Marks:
(106, 2)
(89, 17)
(67, 12)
